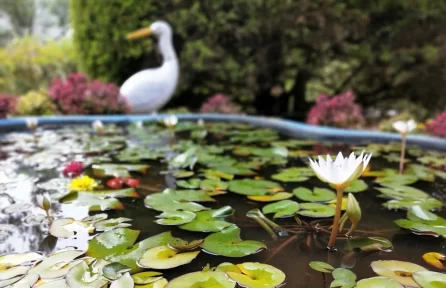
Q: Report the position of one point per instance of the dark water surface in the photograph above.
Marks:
(27, 230)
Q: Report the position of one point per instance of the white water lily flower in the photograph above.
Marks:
(97, 125)
(342, 170)
(170, 121)
(404, 127)
(32, 123)
(200, 122)
(44, 201)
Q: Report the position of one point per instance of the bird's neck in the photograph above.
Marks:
(166, 49)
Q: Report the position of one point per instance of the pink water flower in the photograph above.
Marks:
(220, 103)
(73, 169)
(437, 126)
(7, 105)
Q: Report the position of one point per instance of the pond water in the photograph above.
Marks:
(237, 155)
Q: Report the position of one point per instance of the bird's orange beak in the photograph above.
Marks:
(139, 33)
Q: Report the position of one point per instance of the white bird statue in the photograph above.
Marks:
(149, 90)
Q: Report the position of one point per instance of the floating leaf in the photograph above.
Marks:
(435, 259)
(316, 210)
(430, 279)
(213, 185)
(317, 195)
(202, 279)
(294, 174)
(234, 170)
(401, 271)
(110, 224)
(356, 186)
(114, 271)
(66, 227)
(92, 202)
(81, 275)
(120, 193)
(258, 275)
(403, 192)
(146, 277)
(343, 278)
(254, 187)
(418, 213)
(12, 260)
(368, 244)
(397, 180)
(56, 265)
(228, 267)
(321, 266)
(183, 174)
(185, 160)
(426, 203)
(217, 175)
(182, 245)
(175, 217)
(118, 170)
(193, 183)
(271, 198)
(164, 257)
(12, 272)
(421, 172)
(282, 209)
(228, 243)
(95, 218)
(378, 282)
(173, 200)
(124, 282)
(210, 220)
(421, 228)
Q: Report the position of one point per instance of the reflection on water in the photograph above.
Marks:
(31, 168)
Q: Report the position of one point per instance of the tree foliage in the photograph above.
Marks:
(274, 54)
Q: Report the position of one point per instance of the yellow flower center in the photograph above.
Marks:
(83, 183)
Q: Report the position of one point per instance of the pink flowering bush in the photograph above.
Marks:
(339, 111)
(78, 95)
(438, 125)
(7, 105)
(220, 103)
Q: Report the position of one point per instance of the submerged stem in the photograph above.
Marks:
(403, 152)
(334, 229)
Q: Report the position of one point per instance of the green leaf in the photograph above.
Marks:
(430, 279)
(257, 274)
(118, 170)
(253, 187)
(175, 217)
(146, 277)
(403, 192)
(426, 203)
(92, 202)
(368, 244)
(173, 200)
(202, 279)
(112, 242)
(397, 180)
(356, 186)
(114, 270)
(316, 210)
(282, 209)
(321, 266)
(293, 174)
(228, 243)
(193, 183)
(421, 228)
(210, 220)
(317, 195)
(113, 223)
(80, 275)
(213, 185)
(378, 282)
(343, 278)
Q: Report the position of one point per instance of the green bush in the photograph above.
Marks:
(28, 64)
(34, 103)
(274, 55)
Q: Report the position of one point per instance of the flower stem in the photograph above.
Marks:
(403, 152)
(334, 229)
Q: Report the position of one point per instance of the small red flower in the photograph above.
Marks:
(117, 183)
(114, 183)
(73, 169)
(131, 182)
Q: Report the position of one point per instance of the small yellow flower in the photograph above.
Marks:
(83, 183)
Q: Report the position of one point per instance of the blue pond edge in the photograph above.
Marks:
(288, 127)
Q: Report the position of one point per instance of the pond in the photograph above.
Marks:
(191, 196)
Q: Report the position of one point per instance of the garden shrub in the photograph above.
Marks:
(34, 103)
(78, 95)
(29, 64)
(7, 104)
(339, 111)
(437, 126)
(220, 103)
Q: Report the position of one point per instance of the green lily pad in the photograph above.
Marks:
(282, 209)
(113, 223)
(421, 228)
(403, 192)
(421, 172)
(114, 271)
(164, 257)
(430, 279)
(228, 267)
(294, 174)
(117, 246)
(217, 175)
(316, 210)
(81, 275)
(175, 217)
(173, 200)
(213, 185)
(202, 279)
(193, 183)
(271, 197)
(378, 282)
(182, 245)
(146, 277)
(343, 278)
(183, 174)
(258, 275)
(14, 259)
(92, 202)
(228, 243)
(317, 195)
(368, 244)
(397, 180)
(185, 160)
(426, 203)
(418, 213)
(125, 281)
(235, 170)
(401, 271)
(120, 193)
(118, 170)
(321, 266)
(356, 186)
(210, 220)
(57, 265)
(253, 187)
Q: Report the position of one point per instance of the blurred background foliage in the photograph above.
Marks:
(275, 56)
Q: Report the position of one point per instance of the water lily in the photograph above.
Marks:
(98, 126)
(73, 169)
(170, 121)
(404, 127)
(31, 123)
(84, 183)
(339, 173)
(200, 122)
(44, 202)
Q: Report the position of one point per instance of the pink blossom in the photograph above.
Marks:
(73, 169)
(7, 105)
(438, 125)
(220, 103)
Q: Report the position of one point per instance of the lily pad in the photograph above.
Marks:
(12, 260)
(321, 266)
(114, 271)
(202, 279)
(426, 203)
(126, 281)
(343, 278)
(258, 275)
(435, 259)
(66, 227)
(92, 202)
(164, 257)
(113, 223)
(368, 244)
(118, 170)
(254, 187)
(146, 277)
(378, 282)
(182, 245)
(213, 185)
(183, 174)
(401, 271)
(173, 200)
(356, 186)
(87, 274)
(282, 209)
(228, 243)
(217, 175)
(397, 180)
(430, 279)
(294, 174)
(228, 267)
(56, 265)
(317, 195)
(421, 228)
(403, 192)
(175, 217)
(193, 183)
(271, 198)
(316, 210)
(210, 220)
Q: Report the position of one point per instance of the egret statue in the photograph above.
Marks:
(150, 89)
